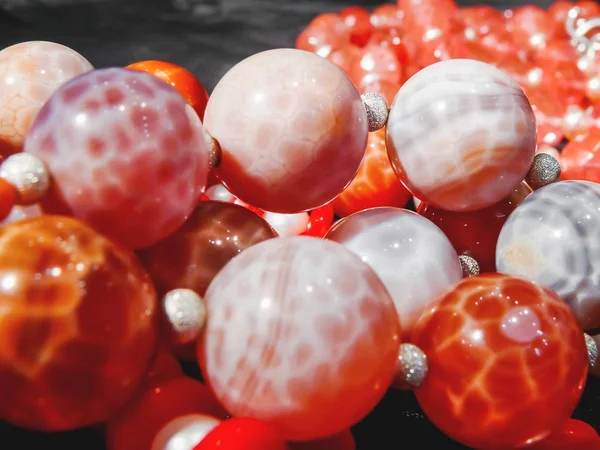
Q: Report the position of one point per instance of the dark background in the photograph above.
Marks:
(119, 32)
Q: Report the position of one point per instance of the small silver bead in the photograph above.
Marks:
(544, 170)
(592, 349)
(28, 175)
(185, 315)
(377, 110)
(411, 368)
(470, 267)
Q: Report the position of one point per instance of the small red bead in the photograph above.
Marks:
(358, 21)
(320, 222)
(243, 433)
(324, 34)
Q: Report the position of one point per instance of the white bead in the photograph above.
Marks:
(185, 314)
(28, 174)
(184, 433)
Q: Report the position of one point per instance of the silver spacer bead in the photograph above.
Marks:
(470, 267)
(411, 367)
(592, 349)
(28, 174)
(185, 315)
(377, 110)
(544, 170)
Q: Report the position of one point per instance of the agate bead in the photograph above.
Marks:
(292, 130)
(461, 135)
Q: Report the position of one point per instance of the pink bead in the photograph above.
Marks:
(300, 333)
(126, 153)
(30, 72)
(292, 129)
(412, 256)
(461, 135)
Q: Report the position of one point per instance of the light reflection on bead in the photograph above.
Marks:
(185, 432)
(534, 76)
(28, 174)
(593, 88)
(575, 122)
(412, 367)
(185, 314)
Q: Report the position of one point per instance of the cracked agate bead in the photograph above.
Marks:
(507, 362)
(126, 152)
(30, 72)
(461, 135)
(300, 333)
(412, 256)
(552, 239)
(292, 130)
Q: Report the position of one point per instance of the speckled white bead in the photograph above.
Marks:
(412, 256)
(552, 239)
(461, 135)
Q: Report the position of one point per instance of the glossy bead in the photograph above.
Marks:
(580, 159)
(73, 303)
(8, 198)
(185, 432)
(358, 22)
(218, 192)
(344, 57)
(180, 78)
(165, 368)
(492, 342)
(136, 426)
(391, 38)
(571, 435)
(292, 129)
(413, 257)
(386, 88)
(376, 63)
(387, 16)
(476, 233)
(549, 109)
(288, 224)
(531, 26)
(192, 256)
(314, 323)
(29, 175)
(551, 239)
(243, 433)
(320, 221)
(376, 183)
(339, 441)
(30, 72)
(443, 141)
(325, 33)
(126, 153)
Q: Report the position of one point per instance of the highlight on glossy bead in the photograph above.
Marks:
(97, 309)
(184, 314)
(413, 258)
(126, 153)
(493, 342)
(243, 433)
(551, 239)
(443, 139)
(292, 130)
(30, 72)
(185, 432)
(314, 323)
(28, 174)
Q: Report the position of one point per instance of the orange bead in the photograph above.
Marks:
(136, 426)
(580, 159)
(181, 79)
(375, 184)
(507, 362)
(78, 321)
(8, 198)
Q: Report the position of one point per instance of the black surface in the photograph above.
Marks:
(119, 32)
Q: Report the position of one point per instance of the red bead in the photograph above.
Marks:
(528, 24)
(320, 222)
(340, 441)
(375, 185)
(243, 433)
(178, 77)
(477, 21)
(376, 63)
(476, 233)
(390, 38)
(549, 109)
(387, 16)
(324, 34)
(559, 11)
(387, 89)
(580, 159)
(8, 198)
(344, 57)
(358, 21)
(507, 362)
(573, 434)
(165, 368)
(135, 427)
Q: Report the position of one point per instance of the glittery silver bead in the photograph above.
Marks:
(185, 315)
(470, 267)
(28, 175)
(592, 350)
(411, 368)
(377, 110)
(544, 170)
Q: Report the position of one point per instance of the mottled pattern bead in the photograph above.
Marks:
(292, 130)
(300, 333)
(78, 321)
(461, 135)
(507, 362)
(412, 256)
(552, 239)
(126, 153)
(30, 72)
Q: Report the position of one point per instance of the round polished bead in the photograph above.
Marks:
(28, 174)
(461, 135)
(292, 130)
